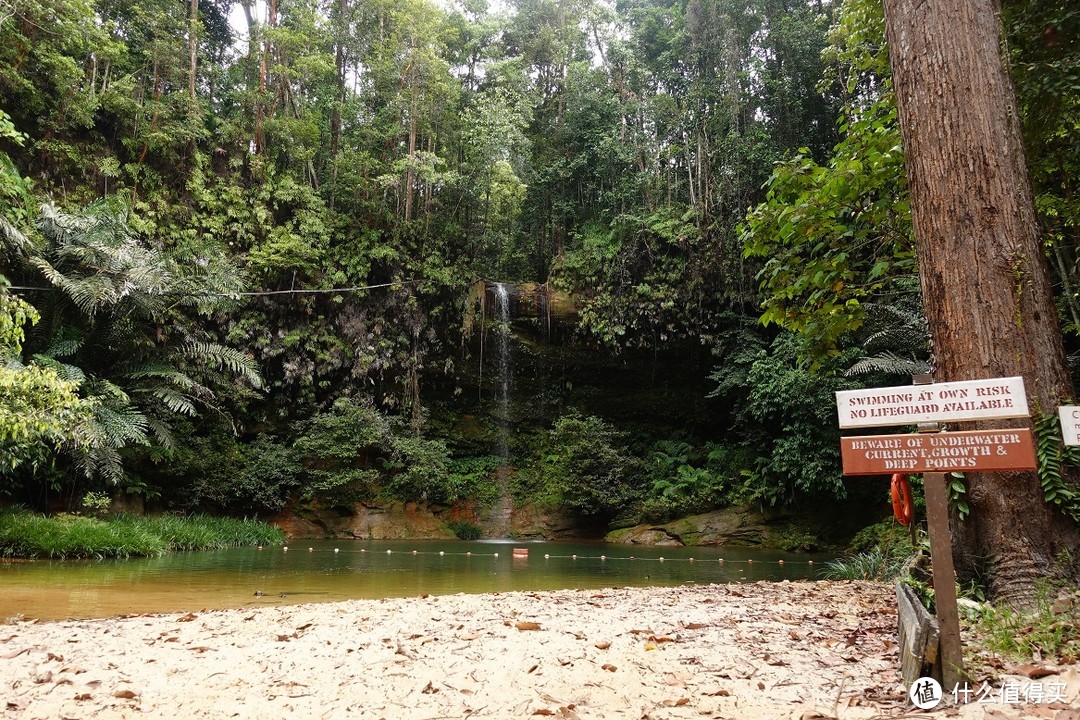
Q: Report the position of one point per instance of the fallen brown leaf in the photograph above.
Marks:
(126, 694)
(527, 626)
(602, 645)
(543, 711)
(1034, 671)
(83, 696)
(609, 667)
(187, 618)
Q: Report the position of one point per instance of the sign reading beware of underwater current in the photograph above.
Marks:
(970, 451)
(993, 399)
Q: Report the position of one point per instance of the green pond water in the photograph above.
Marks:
(343, 570)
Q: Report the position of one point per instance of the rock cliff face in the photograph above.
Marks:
(401, 521)
(739, 527)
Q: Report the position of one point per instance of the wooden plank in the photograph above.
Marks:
(937, 520)
(967, 451)
(918, 638)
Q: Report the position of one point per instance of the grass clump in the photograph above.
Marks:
(27, 535)
(873, 564)
(1048, 630)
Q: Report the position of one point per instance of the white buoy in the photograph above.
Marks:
(691, 559)
(469, 553)
(285, 548)
(413, 552)
(661, 559)
(546, 556)
(260, 547)
(496, 554)
(574, 556)
(389, 551)
(363, 549)
(337, 550)
(603, 557)
(311, 549)
(441, 553)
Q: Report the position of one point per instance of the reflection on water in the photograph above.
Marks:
(324, 570)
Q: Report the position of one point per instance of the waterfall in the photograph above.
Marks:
(501, 515)
(502, 312)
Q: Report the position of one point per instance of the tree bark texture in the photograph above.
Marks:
(985, 280)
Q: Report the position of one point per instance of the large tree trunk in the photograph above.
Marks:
(985, 280)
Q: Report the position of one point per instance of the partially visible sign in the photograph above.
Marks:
(1070, 424)
(998, 398)
(969, 451)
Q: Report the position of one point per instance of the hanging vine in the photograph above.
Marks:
(1053, 455)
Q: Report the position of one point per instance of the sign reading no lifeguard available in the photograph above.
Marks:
(978, 450)
(994, 399)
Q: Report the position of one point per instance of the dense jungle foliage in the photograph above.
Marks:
(242, 244)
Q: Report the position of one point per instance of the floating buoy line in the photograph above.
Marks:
(517, 555)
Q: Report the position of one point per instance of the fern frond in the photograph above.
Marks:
(120, 426)
(224, 357)
(162, 432)
(12, 239)
(175, 401)
(889, 364)
(68, 372)
(165, 373)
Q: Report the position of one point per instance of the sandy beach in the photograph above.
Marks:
(760, 651)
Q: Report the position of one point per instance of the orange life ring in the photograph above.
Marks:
(902, 507)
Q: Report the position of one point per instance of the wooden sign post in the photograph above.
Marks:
(937, 524)
(933, 453)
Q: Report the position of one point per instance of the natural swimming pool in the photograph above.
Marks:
(348, 569)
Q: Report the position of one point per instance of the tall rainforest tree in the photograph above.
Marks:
(985, 281)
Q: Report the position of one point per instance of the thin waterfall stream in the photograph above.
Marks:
(503, 511)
